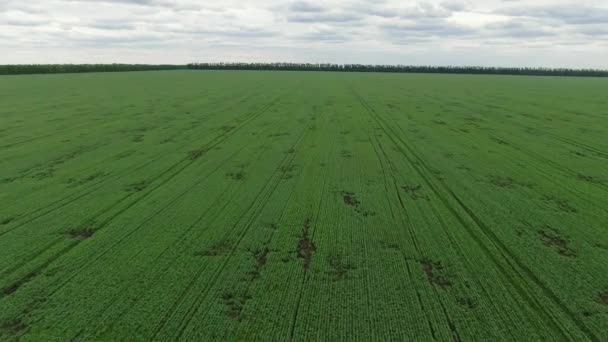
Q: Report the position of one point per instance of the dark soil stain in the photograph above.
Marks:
(219, 248)
(589, 179)
(12, 288)
(136, 187)
(124, 154)
(467, 302)
(235, 305)
(90, 178)
(551, 238)
(433, 270)
(238, 176)
(138, 138)
(578, 153)
(306, 248)
(227, 128)
(287, 171)
(261, 257)
(13, 327)
(195, 154)
(507, 182)
(7, 220)
(439, 122)
(339, 267)
(501, 182)
(561, 204)
(414, 191)
(82, 233)
(277, 135)
(499, 141)
(350, 199)
(346, 154)
(603, 297)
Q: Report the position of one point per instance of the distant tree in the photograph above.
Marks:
(400, 69)
(78, 68)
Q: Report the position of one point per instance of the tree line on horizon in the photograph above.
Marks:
(401, 69)
(21, 69)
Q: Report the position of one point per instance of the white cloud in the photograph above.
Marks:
(455, 32)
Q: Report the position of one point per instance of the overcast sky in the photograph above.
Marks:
(555, 33)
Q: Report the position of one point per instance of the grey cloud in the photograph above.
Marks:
(326, 17)
(455, 6)
(517, 29)
(324, 36)
(427, 29)
(579, 14)
(112, 26)
(423, 10)
(148, 3)
(226, 32)
(303, 6)
(24, 21)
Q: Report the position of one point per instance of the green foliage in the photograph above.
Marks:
(275, 206)
(22, 69)
(473, 70)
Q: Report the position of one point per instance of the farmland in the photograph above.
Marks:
(225, 205)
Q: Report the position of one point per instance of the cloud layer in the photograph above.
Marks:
(468, 32)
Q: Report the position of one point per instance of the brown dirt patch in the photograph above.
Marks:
(261, 257)
(13, 327)
(414, 191)
(350, 199)
(551, 238)
(603, 297)
(195, 154)
(467, 302)
(82, 233)
(561, 204)
(433, 271)
(219, 248)
(306, 248)
(235, 305)
(239, 175)
(589, 179)
(339, 267)
(499, 141)
(346, 154)
(136, 187)
(12, 288)
(7, 220)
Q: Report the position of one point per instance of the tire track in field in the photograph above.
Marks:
(270, 238)
(261, 198)
(470, 267)
(93, 187)
(267, 191)
(514, 263)
(187, 161)
(98, 185)
(582, 145)
(407, 222)
(305, 274)
(141, 224)
(383, 168)
(190, 228)
(551, 163)
(179, 241)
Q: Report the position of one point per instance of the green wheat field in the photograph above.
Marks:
(275, 206)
